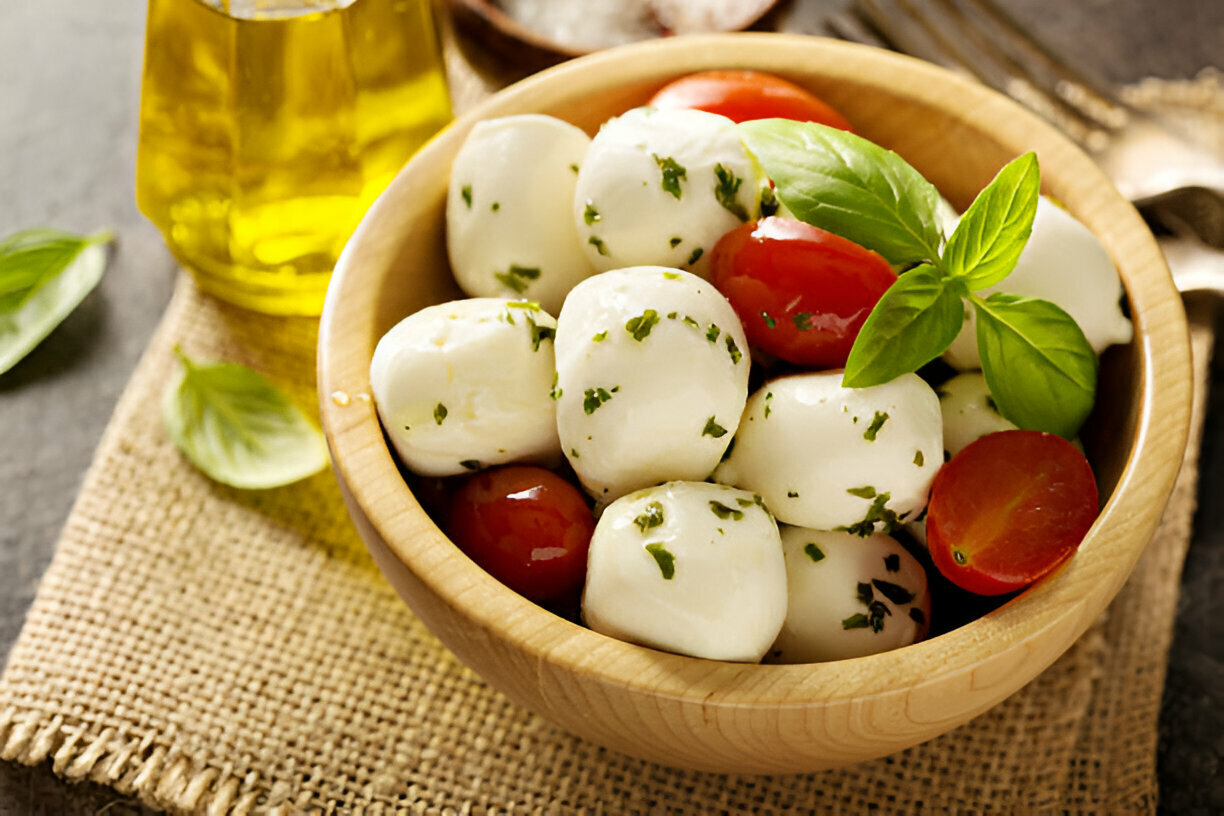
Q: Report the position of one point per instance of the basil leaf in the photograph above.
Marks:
(238, 428)
(913, 323)
(849, 186)
(44, 275)
(992, 233)
(1040, 368)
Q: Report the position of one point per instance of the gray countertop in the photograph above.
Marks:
(69, 92)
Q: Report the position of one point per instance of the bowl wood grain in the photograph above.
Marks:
(736, 718)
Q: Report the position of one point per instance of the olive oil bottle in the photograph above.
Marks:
(267, 127)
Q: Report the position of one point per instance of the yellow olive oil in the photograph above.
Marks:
(267, 127)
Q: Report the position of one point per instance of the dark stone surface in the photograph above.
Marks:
(69, 90)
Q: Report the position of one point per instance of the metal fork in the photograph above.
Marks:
(1178, 185)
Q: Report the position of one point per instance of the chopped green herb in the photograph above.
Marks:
(769, 202)
(574, 168)
(813, 552)
(877, 422)
(598, 244)
(733, 350)
(688, 321)
(653, 517)
(725, 189)
(517, 277)
(466, 192)
(671, 275)
(769, 321)
(695, 256)
(527, 305)
(865, 492)
(713, 429)
(897, 594)
(802, 321)
(792, 494)
(863, 593)
(665, 560)
(875, 615)
(595, 397)
(673, 173)
(712, 333)
(856, 621)
(755, 501)
(590, 215)
(675, 241)
(539, 333)
(573, 453)
(639, 327)
(878, 512)
(599, 338)
(556, 391)
(960, 558)
(892, 562)
(471, 464)
(768, 408)
(724, 512)
(495, 206)
(439, 413)
(919, 459)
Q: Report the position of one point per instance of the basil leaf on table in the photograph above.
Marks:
(1041, 370)
(992, 233)
(44, 275)
(913, 323)
(847, 185)
(238, 428)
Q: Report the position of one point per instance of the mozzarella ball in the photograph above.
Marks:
(509, 232)
(661, 187)
(652, 376)
(849, 597)
(968, 411)
(687, 567)
(466, 384)
(1065, 264)
(829, 457)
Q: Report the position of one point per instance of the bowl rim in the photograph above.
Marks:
(1062, 605)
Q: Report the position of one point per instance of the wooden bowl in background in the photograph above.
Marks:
(730, 717)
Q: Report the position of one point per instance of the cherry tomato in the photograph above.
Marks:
(525, 526)
(744, 95)
(1008, 509)
(801, 293)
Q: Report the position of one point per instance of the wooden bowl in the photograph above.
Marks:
(739, 718)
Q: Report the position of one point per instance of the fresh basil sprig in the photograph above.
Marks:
(44, 275)
(238, 428)
(1040, 368)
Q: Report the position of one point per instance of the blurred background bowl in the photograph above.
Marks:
(739, 718)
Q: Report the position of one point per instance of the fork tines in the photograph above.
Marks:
(979, 38)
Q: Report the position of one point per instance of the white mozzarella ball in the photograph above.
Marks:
(688, 567)
(652, 376)
(1065, 264)
(509, 232)
(829, 457)
(849, 597)
(968, 411)
(661, 187)
(466, 384)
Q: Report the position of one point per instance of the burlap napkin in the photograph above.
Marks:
(215, 651)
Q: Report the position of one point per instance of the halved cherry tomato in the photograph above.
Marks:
(801, 293)
(525, 526)
(1008, 509)
(744, 95)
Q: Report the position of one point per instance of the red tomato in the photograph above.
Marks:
(744, 95)
(801, 293)
(525, 526)
(1008, 509)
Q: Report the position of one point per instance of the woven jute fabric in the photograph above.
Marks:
(217, 651)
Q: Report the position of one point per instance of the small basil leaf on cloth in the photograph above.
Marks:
(44, 275)
(238, 428)
(913, 323)
(847, 185)
(1041, 370)
(992, 233)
